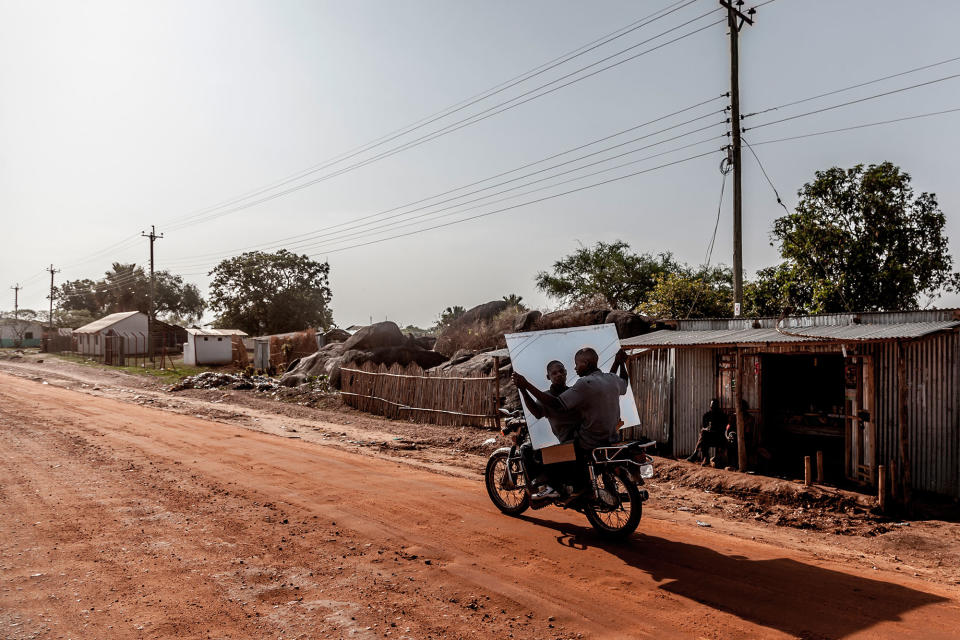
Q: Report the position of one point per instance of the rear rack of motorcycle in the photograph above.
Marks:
(614, 453)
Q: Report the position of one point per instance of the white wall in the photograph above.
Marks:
(201, 350)
(92, 344)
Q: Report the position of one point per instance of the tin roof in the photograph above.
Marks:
(194, 331)
(105, 322)
(846, 333)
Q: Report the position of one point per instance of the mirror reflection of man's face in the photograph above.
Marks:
(584, 364)
(557, 374)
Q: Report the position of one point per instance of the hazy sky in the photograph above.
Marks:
(118, 115)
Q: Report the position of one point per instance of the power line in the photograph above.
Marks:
(765, 175)
(854, 127)
(712, 244)
(858, 100)
(470, 120)
(848, 88)
(370, 219)
(319, 245)
(519, 205)
(523, 77)
(634, 26)
(524, 204)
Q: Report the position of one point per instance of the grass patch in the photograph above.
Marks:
(180, 370)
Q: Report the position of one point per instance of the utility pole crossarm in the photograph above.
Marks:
(743, 17)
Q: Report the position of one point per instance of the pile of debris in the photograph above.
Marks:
(218, 380)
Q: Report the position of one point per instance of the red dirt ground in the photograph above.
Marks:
(128, 521)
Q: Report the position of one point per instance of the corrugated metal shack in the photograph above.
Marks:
(866, 389)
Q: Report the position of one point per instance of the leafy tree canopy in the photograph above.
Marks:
(126, 287)
(607, 272)
(686, 292)
(265, 293)
(860, 239)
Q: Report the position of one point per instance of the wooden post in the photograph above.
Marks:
(893, 478)
(820, 467)
(902, 422)
(741, 426)
(807, 471)
(882, 487)
(496, 386)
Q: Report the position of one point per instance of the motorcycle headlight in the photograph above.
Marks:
(646, 471)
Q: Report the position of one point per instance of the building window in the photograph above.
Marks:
(205, 338)
(28, 335)
(219, 339)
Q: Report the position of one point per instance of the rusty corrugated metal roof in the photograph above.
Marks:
(847, 333)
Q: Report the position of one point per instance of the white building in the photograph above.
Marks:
(130, 325)
(209, 346)
(20, 333)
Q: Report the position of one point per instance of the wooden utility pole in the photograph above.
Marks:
(735, 21)
(153, 238)
(16, 301)
(16, 314)
(50, 314)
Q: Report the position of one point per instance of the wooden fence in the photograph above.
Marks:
(410, 393)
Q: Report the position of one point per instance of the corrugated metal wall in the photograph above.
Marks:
(933, 422)
(651, 377)
(696, 373)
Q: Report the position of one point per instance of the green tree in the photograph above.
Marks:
(860, 239)
(265, 293)
(686, 292)
(448, 316)
(609, 273)
(774, 290)
(126, 287)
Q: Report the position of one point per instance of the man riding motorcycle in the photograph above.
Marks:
(595, 397)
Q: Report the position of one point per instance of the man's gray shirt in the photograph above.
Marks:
(597, 397)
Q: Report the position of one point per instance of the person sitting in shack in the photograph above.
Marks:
(712, 434)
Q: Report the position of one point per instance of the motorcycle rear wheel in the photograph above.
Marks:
(512, 502)
(622, 521)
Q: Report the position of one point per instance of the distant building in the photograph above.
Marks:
(20, 333)
(210, 346)
(131, 326)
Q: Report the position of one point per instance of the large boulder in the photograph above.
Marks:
(316, 364)
(628, 324)
(526, 321)
(335, 335)
(482, 312)
(403, 355)
(566, 318)
(375, 336)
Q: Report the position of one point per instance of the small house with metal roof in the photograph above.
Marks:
(211, 346)
(863, 390)
(130, 326)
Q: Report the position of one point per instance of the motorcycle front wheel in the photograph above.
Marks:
(621, 521)
(511, 500)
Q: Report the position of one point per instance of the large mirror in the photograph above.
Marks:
(531, 352)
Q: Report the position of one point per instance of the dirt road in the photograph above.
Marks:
(124, 521)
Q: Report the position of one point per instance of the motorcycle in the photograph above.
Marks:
(613, 500)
